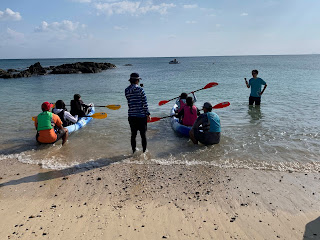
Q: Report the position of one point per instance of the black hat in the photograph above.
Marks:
(134, 76)
(207, 105)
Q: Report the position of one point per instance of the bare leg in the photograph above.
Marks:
(65, 136)
(193, 139)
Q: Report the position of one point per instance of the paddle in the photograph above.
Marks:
(217, 106)
(100, 115)
(112, 107)
(209, 85)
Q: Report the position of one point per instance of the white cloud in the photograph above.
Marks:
(64, 26)
(133, 8)
(190, 6)
(119, 28)
(191, 22)
(10, 15)
(218, 25)
(244, 14)
(14, 35)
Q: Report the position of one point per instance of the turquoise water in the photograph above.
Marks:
(282, 134)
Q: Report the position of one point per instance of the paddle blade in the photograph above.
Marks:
(210, 85)
(113, 107)
(163, 102)
(154, 119)
(221, 105)
(100, 115)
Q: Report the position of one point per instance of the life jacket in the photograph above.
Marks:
(64, 121)
(45, 121)
(77, 108)
(214, 122)
(182, 104)
(189, 117)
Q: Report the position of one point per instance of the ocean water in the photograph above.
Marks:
(283, 134)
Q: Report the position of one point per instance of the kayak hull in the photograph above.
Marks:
(176, 126)
(81, 122)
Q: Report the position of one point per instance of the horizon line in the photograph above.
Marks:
(248, 55)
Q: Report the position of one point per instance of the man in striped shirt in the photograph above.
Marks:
(138, 111)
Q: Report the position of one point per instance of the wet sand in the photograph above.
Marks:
(149, 201)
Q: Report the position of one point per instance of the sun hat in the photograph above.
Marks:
(46, 106)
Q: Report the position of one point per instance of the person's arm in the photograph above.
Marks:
(144, 102)
(265, 86)
(71, 118)
(198, 122)
(198, 112)
(57, 121)
(36, 123)
(248, 86)
(194, 97)
(180, 114)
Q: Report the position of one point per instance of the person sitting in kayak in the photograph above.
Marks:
(45, 123)
(181, 102)
(211, 128)
(66, 117)
(78, 107)
(189, 113)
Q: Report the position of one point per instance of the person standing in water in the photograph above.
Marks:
(255, 83)
(138, 112)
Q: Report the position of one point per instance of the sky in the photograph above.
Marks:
(171, 28)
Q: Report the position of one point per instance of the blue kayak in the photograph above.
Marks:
(176, 126)
(81, 122)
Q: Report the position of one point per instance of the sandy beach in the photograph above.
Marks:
(149, 201)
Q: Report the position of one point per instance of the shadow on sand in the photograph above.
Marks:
(83, 167)
(312, 231)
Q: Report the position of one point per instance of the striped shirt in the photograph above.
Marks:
(137, 101)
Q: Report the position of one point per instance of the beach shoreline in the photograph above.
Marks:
(152, 201)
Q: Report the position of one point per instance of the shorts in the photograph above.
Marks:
(207, 138)
(257, 100)
(60, 133)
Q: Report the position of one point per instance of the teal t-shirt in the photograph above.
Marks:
(255, 85)
(214, 122)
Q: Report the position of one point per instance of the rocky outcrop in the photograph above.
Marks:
(72, 68)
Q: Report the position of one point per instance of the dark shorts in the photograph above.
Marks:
(138, 124)
(257, 100)
(60, 133)
(207, 138)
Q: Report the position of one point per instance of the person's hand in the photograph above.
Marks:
(149, 118)
(192, 93)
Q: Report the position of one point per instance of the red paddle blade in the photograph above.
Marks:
(221, 105)
(163, 102)
(154, 119)
(210, 85)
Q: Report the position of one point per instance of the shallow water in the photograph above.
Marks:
(283, 134)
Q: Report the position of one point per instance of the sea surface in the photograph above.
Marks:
(281, 135)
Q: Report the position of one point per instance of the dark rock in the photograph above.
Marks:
(72, 68)
(128, 65)
(81, 67)
(37, 69)
(4, 74)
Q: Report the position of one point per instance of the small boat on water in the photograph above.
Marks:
(176, 125)
(81, 122)
(174, 61)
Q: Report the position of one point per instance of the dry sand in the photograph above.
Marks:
(149, 201)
